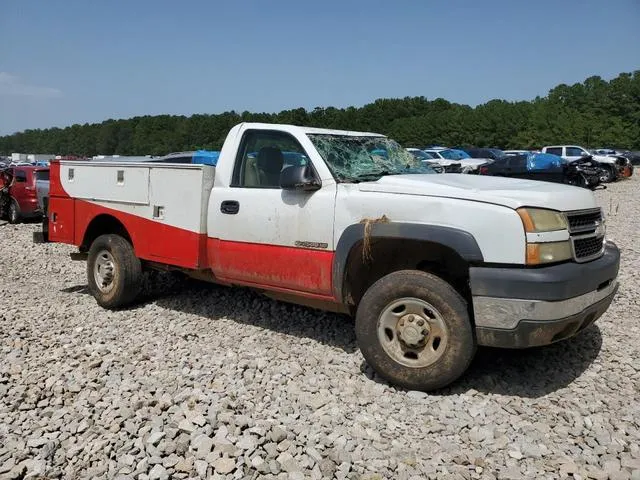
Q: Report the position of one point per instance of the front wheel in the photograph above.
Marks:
(608, 175)
(114, 273)
(413, 328)
(579, 181)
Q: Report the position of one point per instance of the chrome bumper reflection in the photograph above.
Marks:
(506, 313)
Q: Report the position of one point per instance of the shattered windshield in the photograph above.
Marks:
(364, 158)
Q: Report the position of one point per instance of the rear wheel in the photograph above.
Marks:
(14, 212)
(114, 272)
(413, 328)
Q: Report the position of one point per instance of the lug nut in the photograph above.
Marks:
(420, 322)
(424, 332)
(412, 318)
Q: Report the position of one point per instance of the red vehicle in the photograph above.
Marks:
(24, 200)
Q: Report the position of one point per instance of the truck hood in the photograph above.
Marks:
(508, 192)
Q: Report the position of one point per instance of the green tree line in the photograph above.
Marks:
(592, 113)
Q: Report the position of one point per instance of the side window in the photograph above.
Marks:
(555, 151)
(21, 176)
(574, 152)
(42, 175)
(263, 155)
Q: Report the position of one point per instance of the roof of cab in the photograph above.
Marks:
(306, 130)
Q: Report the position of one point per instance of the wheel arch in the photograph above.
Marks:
(103, 224)
(444, 251)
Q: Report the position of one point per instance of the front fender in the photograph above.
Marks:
(458, 240)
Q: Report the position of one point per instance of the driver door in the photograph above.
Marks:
(266, 236)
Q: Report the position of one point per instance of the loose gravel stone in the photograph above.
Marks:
(201, 468)
(158, 472)
(155, 438)
(224, 465)
(199, 380)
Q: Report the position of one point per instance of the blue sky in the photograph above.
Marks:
(72, 61)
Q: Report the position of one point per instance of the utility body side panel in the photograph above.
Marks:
(162, 207)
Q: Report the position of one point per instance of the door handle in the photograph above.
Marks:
(230, 207)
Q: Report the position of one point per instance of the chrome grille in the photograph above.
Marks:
(584, 221)
(587, 247)
(586, 229)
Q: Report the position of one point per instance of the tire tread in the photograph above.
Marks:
(129, 280)
(461, 346)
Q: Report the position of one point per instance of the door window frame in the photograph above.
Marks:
(559, 154)
(238, 171)
(573, 150)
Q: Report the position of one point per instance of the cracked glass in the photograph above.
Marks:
(365, 158)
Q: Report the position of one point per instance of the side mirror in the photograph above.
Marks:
(298, 177)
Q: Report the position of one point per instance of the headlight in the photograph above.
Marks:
(538, 253)
(540, 220)
(537, 220)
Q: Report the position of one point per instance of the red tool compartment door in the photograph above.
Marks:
(61, 220)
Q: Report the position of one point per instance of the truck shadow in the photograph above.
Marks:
(215, 302)
(529, 373)
(242, 306)
(524, 373)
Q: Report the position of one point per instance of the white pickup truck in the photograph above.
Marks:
(430, 265)
(612, 166)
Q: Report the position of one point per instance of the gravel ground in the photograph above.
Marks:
(202, 381)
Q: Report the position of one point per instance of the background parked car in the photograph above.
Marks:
(517, 152)
(454, 160)
(207, 157)
(426, 158)
(24, 200)
(633, 157)
(488, 153)
(42, 189)
(583, 172)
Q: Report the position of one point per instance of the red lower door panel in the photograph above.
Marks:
(295, 269)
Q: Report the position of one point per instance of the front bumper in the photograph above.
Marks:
(525, 307)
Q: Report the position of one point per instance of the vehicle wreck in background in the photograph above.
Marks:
(583, 172)
(613, 167)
